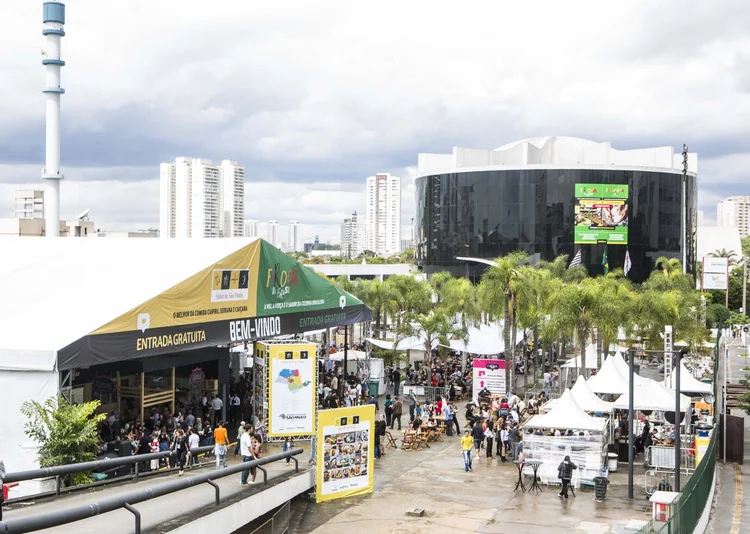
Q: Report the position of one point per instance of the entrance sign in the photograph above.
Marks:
(257, 292)
(346, 452)
(292, 392)
(489, 374)
(715, 273)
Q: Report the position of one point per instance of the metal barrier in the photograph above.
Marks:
(694, 495)
(663, 457)
(278, 523)
(60, 471)
(126, 501)
(432, 394)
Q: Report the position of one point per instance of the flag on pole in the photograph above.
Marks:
(605, 262)
(576, 260)
(628, 263)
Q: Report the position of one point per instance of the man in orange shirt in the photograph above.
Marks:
(220, 448)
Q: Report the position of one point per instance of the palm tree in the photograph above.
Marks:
(381, 298)
(612, 308)
(535, 289)
(458, 296)
(412, 296)
(498, 292)
(724, 253)
(432, 328)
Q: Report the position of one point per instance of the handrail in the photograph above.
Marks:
(62, 470)
(127, 500)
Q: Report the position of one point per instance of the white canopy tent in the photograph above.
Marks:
(590, 360)
(407, 343)
(351, 355)
(567, 414)
(624, 369)
(652, 396)
(688, 383)
(586, 399)
(608, 379)
(485, 340)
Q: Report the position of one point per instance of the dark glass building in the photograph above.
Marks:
(551, 208)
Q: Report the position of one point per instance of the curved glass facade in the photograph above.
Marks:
(487, 214)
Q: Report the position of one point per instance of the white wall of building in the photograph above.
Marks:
(232, 198)
(383, 213)
(205, 205)
(183, 197)
(294, 241)
(732, 212)
(167, 199)
(251, 228)
(353, 236)
(273, 233)
(28, 204)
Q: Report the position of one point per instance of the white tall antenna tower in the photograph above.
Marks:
(53, 17)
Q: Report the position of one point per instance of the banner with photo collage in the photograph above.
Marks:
(346, 452)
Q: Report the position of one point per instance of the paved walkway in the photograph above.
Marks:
(480, 501)
(157, 514)
(730, 513)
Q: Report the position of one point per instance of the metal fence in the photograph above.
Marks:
(278, 523)
(694, 496)
(663, 457)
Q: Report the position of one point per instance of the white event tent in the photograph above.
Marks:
(624, 369)
(567, 414)
(485, 340)
(652, 396)
(590, 360)
(608, 379)
(584, 397)
(688, 383)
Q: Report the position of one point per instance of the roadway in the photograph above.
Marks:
(730, 511)
(161, 514)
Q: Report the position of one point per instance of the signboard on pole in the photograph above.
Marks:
(489, 374)
(291, 389)
(346, 452)
(715, 273)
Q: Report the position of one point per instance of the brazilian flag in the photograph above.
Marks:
(605, 262)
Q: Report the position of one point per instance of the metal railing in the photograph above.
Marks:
(694, 496)
(60, 471)
(663, 457)
(278, 523)
(127, 500)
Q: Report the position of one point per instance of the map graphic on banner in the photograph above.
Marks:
(601, 214)
(489, 374)
(346, 455)
(291, 389)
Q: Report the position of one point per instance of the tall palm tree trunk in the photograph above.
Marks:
(508, 345)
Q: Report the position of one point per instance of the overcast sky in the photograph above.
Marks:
(315, 96)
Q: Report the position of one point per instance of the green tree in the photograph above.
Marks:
(382, 299)
(498, 291)
(724, 253)
(457, 296)
(746, 246)
(66, 433)
(412, 296)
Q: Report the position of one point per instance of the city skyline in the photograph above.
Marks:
(314, 139)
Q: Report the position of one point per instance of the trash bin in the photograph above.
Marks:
(374, 388)
(600, 488)
(612, 462)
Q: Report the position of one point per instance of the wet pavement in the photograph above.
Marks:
(481, 501)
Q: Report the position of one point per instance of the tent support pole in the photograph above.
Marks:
(173, 389)
(346, 355)
(677, 416)
(143, 393)
(119, 410)
(631, 424)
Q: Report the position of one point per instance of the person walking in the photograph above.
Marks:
(467, 442)
(503, 446)
(397, 411)
(221, 442)
(412, 406)
(246, 445)
(388, 405)
(565, 473)
(455, 419)
(240, 431)
(181, 449)
(477, 432)
(396, 381)
(448, 412)
(514, 438)
(488, 435)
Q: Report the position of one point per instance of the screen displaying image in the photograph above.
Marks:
(601, 214)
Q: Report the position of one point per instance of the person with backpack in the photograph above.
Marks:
(397, 411)
(565, 473)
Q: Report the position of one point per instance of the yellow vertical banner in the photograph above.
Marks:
(346, 452)
(292, 395)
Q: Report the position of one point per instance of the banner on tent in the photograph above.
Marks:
(346, 457)
(291, 389)
(489, 374)
(254, 293)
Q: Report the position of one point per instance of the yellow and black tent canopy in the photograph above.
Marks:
(256, 292)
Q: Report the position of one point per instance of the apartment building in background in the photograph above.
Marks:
(273, 233)
(28, 204)
(251, 228)
(383, 214)
(294, 241)
(198, 198)
(732, 212)
(353, 236)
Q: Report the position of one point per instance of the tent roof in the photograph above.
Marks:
(591, 359)
(587, 399)
(350, 356)
(407, 343)
(608, 379)
(652, 396)
(688, 383)
(66, 288)
(99, 300)
(567, 414)
(485, 340)
(624, 369)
